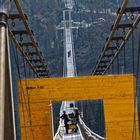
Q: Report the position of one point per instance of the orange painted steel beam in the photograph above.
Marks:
(118, 93)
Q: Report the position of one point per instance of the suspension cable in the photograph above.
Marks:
(138, 59)
(28, 101)
(135, 97)
(19, 76)
(29, 70)
(118, 66)
(112, 65)
(112, 68)
(23, 96)
(23, 99)
(133, 53)
(124, 59)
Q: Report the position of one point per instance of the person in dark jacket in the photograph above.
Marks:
(76, 118)
(77, 115)
(66, 119)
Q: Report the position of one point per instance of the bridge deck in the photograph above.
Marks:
(72, 136)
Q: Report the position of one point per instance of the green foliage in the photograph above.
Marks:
(45, 15)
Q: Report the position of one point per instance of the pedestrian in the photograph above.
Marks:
(77, 115)
(66, 119)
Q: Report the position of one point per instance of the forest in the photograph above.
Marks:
(46, 15)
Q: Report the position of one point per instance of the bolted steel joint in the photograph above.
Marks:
(3, 19)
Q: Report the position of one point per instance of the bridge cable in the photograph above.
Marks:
(138, 57)
(133, 53)
(135, 98)
(124, 59)
(29, 70)
(112, 65)
(112, 69)
(101, 117)
(133, 63)
(25, 102)
(118, 66)
(22, 96)
(19, 76)
(28, 101)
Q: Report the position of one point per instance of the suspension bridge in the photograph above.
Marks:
(35, 96)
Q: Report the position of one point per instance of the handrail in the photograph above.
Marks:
(24, 19)
(91, 132)
(23, 54)
(125, 39)
(118, 25)
(80, 132)
(58, 134)
(124, 5)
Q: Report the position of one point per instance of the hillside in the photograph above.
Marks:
(46, 15)
(88, 42)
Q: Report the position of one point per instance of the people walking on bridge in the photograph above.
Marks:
(66, 119)
(77, 115)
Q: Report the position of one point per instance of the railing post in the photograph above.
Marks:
(7, 129)
(3, 45)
